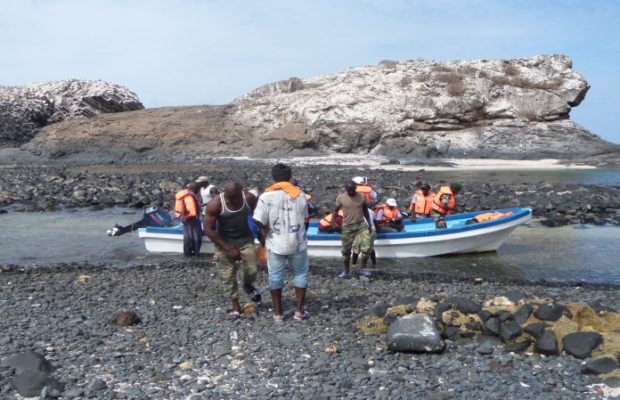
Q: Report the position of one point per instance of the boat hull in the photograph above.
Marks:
(419, 239)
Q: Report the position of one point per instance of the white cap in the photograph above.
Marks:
(201, 179)
(359, 180)
(391, 202)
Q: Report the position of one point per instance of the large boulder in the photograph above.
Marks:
(581, 344)
(415, 333)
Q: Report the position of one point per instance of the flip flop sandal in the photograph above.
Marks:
(233, 315)
(302, 317)
(278, 318)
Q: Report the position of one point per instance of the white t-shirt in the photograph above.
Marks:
(285, 218)
(205, 196)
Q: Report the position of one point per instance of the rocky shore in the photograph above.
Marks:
(180, 344)
(48, 188)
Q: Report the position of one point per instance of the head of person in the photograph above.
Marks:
(281, 173)
(214, 191)
(233, 191)
(391, 202)
(456, 187)
(202, 181)
(360, 180)
(193, 187)
(351, 188)
(425, 188)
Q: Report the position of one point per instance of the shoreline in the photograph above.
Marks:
(184, 347)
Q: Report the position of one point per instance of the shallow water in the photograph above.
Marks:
(533, 253)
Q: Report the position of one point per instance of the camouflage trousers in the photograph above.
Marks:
(228, 268)
(356, 248)
(353, 232)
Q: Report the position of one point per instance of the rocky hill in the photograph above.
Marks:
(24, 110)
(485, 108)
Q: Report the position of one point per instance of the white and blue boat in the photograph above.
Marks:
(419, 239)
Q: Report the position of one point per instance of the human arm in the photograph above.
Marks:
(367, 216)
(261, 219)
(214, 208)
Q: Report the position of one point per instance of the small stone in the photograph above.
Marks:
(97, 384)
(509, 330)
(522, 314)
(535, 329)
(125, 318)
(491, 326)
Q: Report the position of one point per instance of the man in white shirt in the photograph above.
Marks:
(205, 191)
(280, 214)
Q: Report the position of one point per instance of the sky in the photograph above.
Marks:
(195, 52)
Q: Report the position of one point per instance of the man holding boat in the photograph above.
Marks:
(444, 203)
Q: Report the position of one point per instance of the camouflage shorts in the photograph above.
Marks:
(228, 268)
(352, 232)
(356, 248)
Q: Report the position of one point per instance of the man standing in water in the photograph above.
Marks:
(281, 213)
(356, 222)
(226, 224)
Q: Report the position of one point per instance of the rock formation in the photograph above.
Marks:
(24, 110)
(486, 108)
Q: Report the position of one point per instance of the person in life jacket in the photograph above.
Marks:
(370, 195)
(187, 208)
(313, 210)
(325, 224)
(490, 216)
(444, 203)
(421, 203)
(388, 218)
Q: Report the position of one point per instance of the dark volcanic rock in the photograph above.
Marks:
(601, 365)
(465, 305)
(549, 312)
(27, 360)
(125, 318)
(536, 330)
(522, 314)
(509, 330)
(547, 344)
(581, 344)
(29, 382)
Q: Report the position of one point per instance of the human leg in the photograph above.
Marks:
(346, 238)
(196, 235)
(275, 267)
(299, 265)
(227, 268)
(188, 243)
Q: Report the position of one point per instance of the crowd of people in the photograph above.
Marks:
(279, 219)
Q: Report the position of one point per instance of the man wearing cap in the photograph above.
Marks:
(388, 217)
(205, 191)
(422, 202)
(281, 213)
(444, 203)
(355, 223)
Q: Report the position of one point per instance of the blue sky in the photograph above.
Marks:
(187, 52)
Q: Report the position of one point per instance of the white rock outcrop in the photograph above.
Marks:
(482, 107)
(26, 109)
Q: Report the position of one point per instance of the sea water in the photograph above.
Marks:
(574, 253)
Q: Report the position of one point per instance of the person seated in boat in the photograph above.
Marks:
(490, 216)
(388, 217)
(153, 216)
(370, 195)
(205, 191)
(313, 210)
(444, 203)
(421, 202)
(325, 223)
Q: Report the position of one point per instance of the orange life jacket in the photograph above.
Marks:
(491, 216)
(366, 190)
(422, 204)
(388, 214)
(445, 190)
(326, 221)
(186, 204)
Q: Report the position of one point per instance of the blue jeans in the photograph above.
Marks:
(192, 237)
(276, 264)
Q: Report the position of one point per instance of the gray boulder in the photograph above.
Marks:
(601, 365)
(581, 344)
(30, 382)
(549, 312)
(28, 360)
(415, 333)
